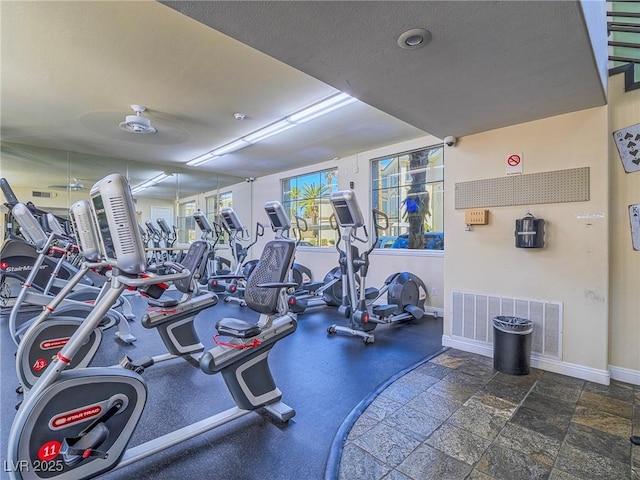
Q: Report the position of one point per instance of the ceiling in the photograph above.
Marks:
(71, 70)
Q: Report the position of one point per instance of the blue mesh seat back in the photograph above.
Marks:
(273, 267)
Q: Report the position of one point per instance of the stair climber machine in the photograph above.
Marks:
(406, 293)
(18, 255)
(12, 200)
(232, 285)
(77, 424)
(329, 292)
(51, 330)
(77, 299)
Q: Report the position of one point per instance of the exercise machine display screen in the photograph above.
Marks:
(152, 227)
(163, 225)
(231, 219)
(203, 222)
(103, 227)
(277, 215)
(346, 208)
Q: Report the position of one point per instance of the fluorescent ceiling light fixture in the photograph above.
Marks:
(321, 108)
(202, 159)
(149, 183)
(269, 131)
(230, 147)
(314, 111)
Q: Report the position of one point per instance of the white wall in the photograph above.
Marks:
(429, 266)
(573, 266)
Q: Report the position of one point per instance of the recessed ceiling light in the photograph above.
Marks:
(239, 116)
(414, 38)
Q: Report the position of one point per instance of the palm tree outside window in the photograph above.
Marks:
(307, 196)
(409, 188)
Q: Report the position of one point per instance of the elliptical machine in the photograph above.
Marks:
(232, 284)
(329, 292)
(82, 420)
(406, 293)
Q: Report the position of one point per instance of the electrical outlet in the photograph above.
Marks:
(434, 292)
(476, 216)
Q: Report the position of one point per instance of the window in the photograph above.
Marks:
(214, 204)
(409, 188)
(307, 196)
(186, 223)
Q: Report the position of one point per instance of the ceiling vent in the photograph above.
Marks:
(137, 123)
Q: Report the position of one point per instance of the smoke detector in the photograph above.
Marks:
(137, 123)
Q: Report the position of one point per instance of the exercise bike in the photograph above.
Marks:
(51, 330)
(19, 254)
(406, 293)
(76, 300)
(79, 422)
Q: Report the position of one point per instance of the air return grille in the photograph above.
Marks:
(38, 194)
(473, 314)
(124, 231)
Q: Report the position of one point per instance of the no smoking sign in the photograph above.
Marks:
(514, 164)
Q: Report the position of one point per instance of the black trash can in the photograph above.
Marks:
(512, 345)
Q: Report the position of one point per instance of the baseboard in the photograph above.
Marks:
(625, 375)
(548, 364)
(434, 311)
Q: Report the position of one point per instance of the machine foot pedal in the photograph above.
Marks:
(280, 411)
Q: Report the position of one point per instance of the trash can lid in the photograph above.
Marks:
(513, 324)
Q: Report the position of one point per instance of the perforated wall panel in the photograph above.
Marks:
(559, 186)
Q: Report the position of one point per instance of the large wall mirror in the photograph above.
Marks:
(54, 179)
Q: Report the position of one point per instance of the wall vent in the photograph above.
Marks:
(473, 314)
(36, 194)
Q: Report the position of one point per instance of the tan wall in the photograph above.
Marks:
(624, 111)
(572, 268)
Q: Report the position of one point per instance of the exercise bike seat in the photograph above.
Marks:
(166, 303)
(235, 327)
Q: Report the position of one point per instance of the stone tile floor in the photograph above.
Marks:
(455, 417)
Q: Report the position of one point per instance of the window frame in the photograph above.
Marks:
(393, 188)
(326, 237)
